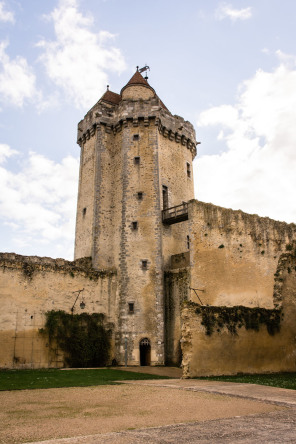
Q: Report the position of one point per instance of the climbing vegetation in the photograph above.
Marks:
(215, 318)
(82, 337)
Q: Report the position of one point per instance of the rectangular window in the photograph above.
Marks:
(136, 137)
(137, 160)
(140, 195)
(165, 197)
(84, 212)
(188, 242)
(188, 169)
(135, 225)
(131, 307)
(144, 264)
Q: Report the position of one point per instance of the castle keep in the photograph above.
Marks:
(178, 279)
(136, 160)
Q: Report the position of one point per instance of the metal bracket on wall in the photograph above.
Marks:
(198, 289)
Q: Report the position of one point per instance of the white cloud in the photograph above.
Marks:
(17, 80)
(78, 60)
(5, 15)
(226, 10)
(38, 202)
(257, 171)
(5, 152)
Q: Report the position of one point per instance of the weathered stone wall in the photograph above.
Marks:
(176, 293)
(173, 160)
(86, 195)
(31, 286)
(237, 259)
(248, 351)
(234, 255)
(133, 92)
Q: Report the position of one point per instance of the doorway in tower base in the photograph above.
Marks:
(145, 352)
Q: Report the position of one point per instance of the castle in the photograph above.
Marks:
(179, 281)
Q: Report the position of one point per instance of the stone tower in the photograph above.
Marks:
(136, 161)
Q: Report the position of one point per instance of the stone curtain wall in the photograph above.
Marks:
(234, 255)
(30, 286)
(239, 259)
(248, 351)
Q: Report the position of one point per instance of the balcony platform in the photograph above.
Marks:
(175, 214)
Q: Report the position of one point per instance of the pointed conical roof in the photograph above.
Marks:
(137, 79)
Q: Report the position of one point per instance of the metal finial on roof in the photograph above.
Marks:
(107, 87)
(137, 68)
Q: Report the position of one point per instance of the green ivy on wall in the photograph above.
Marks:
(215, 318)
(82, 337)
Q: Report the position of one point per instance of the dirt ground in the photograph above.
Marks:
(32, 415)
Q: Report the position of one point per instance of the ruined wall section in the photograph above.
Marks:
(247, 351)
(234, 255)
(30, 286)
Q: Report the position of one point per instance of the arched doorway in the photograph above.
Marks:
(145, 352)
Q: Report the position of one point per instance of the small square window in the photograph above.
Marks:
(136, 137)
(140, 195)
(144, 264)
(131, 307)
(84, 212)
(188, 169)
(137, 160)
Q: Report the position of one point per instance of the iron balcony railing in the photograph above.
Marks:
(176, 214)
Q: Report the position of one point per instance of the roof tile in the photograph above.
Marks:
(111, 97)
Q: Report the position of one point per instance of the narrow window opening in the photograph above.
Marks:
(165, 197)
(131, 307)
(140, 195)
(188, 242)
(188, 169)
(135, 225)
(144, 264)
(137, 160)
(136, 137)
(84, 212)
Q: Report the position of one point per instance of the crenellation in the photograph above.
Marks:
(170, 126)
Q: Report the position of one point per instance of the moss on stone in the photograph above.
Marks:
(216, 318)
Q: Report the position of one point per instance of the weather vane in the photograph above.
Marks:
(145, 68)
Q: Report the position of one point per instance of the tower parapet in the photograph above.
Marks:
(150, 111)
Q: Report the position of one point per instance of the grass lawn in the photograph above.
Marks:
(54, 378)
(283, 380)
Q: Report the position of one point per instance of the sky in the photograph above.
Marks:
(227, 67)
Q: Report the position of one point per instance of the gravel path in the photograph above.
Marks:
(35, 415)
(271, 428)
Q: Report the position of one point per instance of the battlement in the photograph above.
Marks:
(137, 113)
(29, 264)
